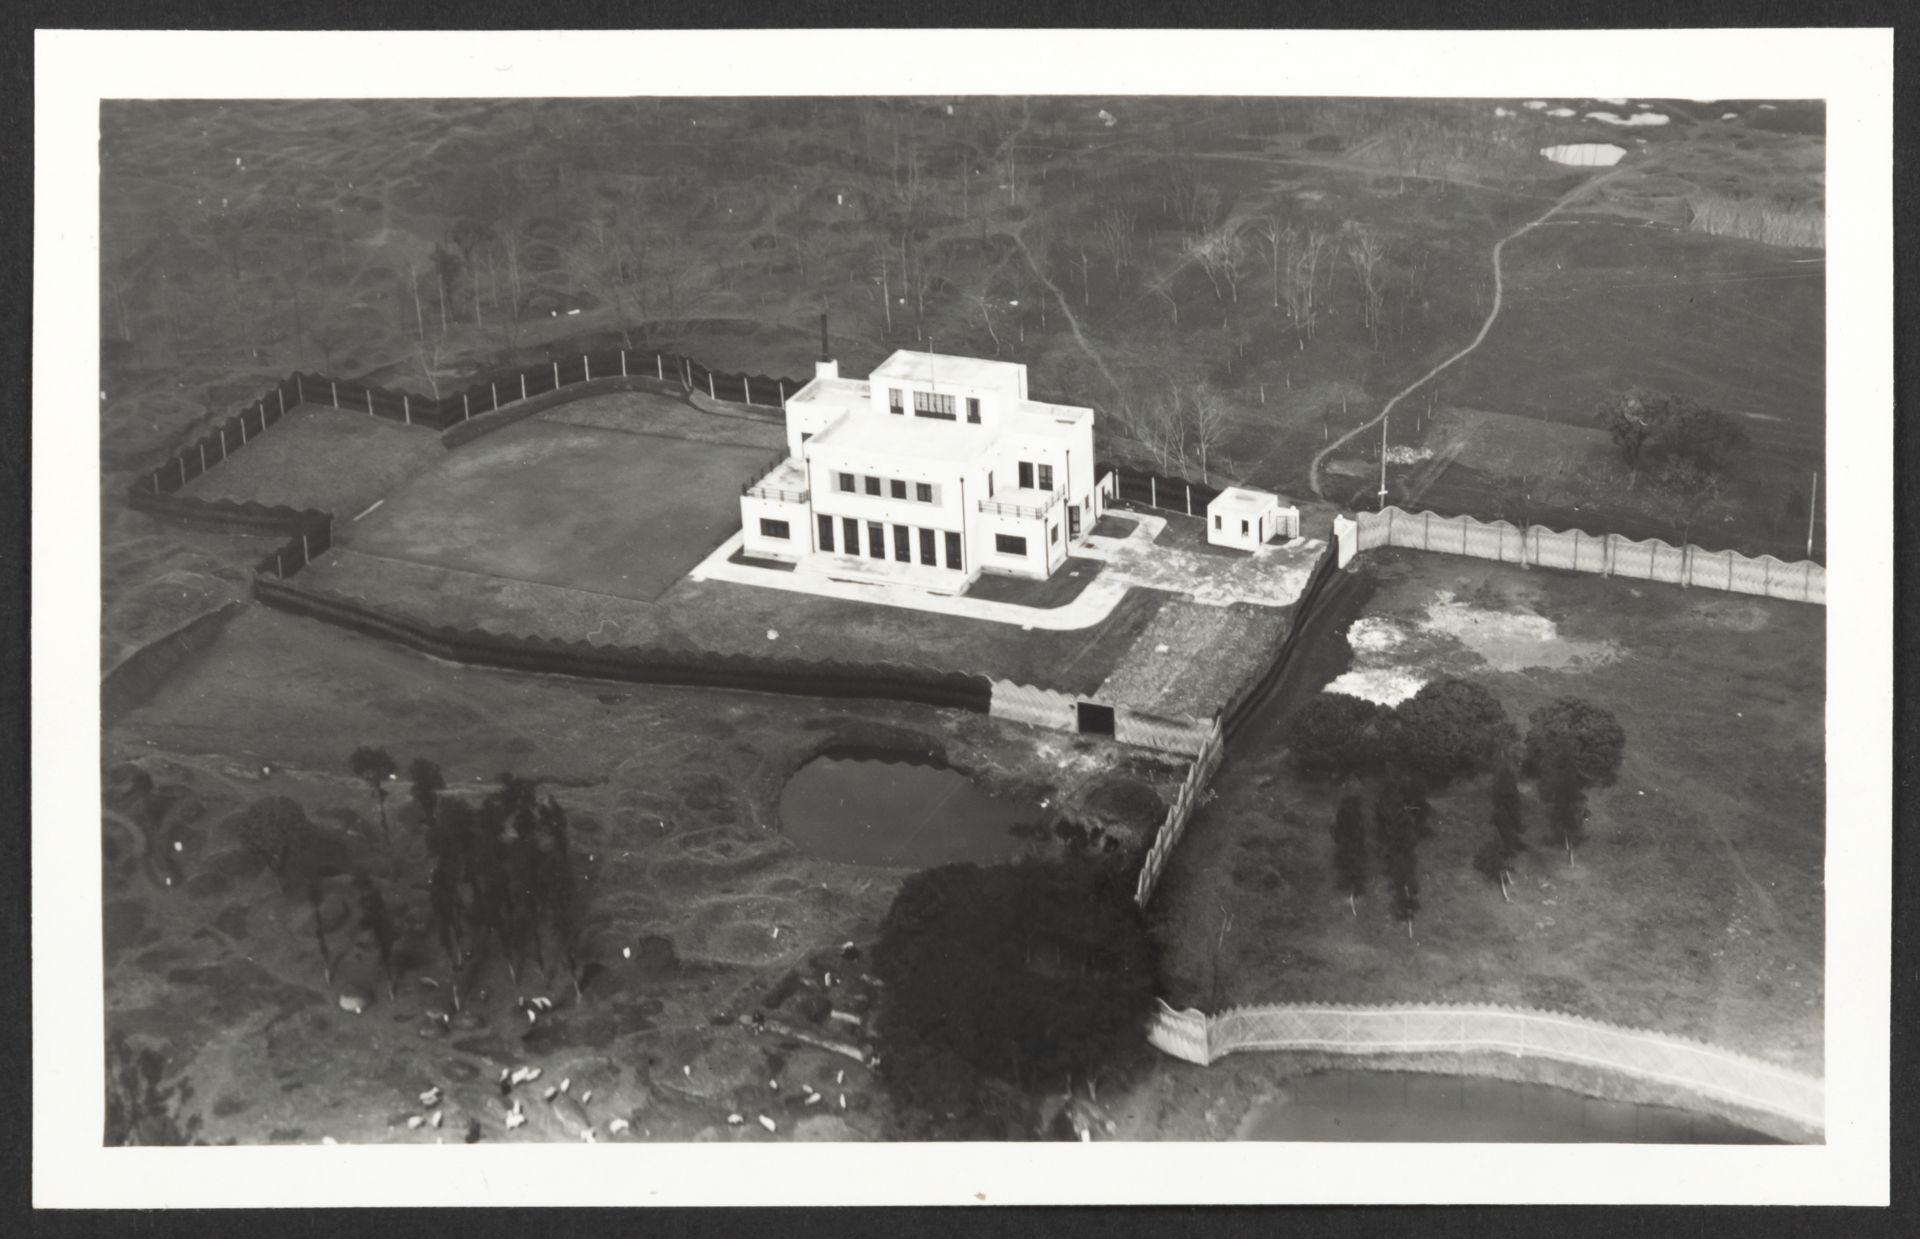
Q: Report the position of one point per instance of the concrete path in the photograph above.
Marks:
(1272, 576)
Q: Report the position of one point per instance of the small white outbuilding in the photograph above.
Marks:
(1244, 519)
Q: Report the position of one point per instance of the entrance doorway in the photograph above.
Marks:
(1094, 719)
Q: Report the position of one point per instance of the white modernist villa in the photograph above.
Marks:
(929, 472)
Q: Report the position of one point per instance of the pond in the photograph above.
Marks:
(1586, 154)
(1418, 1107)
(900, 811)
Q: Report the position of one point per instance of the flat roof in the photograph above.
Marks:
(844, 393)
(1240, 496)
(918, 437)
(938, 368)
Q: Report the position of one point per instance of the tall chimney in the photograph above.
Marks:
(826, 367)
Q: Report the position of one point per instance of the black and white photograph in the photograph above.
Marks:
(1230, 609)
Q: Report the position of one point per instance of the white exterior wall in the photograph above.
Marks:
(753, 509)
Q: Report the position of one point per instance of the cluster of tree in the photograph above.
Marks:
(1451, 729)
(502, 879)
(1004, 983)
(1651, 426)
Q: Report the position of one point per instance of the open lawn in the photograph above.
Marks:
(323, 458)
(609, 511)
(1696, 905)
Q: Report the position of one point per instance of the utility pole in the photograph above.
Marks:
(1813, 504)
(1383, 462)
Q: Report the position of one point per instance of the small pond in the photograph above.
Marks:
(1586, 154)
(900, 811)
(1423, 1108)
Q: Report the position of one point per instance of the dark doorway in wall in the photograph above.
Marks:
(1094, 719)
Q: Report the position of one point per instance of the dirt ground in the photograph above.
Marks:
(323, 458)
(1696, 905)
(700, 914)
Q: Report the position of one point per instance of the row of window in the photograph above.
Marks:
(1012, 544)
(904, 538)
(923, 492)
(936, 405)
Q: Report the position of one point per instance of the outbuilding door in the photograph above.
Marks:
(1094, 719)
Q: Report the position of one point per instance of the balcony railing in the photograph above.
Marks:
(1029, 510)
(758, 487)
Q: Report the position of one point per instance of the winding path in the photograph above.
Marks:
(1579, 191)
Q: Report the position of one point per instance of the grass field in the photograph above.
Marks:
(1695, 907)
(328, 459)
(608, 511)
(697, 904)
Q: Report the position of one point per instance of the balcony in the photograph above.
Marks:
(781, 480)
(1025, 503)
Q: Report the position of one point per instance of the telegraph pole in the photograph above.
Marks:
(1383, 462)
(1813, 505)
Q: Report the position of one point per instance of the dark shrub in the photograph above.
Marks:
(1589, 734)
(1451, 728)
(1022, 976)
(1336, 735)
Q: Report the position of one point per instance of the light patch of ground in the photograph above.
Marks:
(1394, 655)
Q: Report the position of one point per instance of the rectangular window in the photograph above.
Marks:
(1217, 524)
(923, 492)
(873, 486)
(903, 544)
(899, 489)
(895, 404)
(926, 548)
(774, 529)
(1007, 544)
(973, 409)
(989, 484)
(852, 529)
(1046, 477)
(846, 483)
(826, 533)
(1053, 534)
(1073, 522)
(933, 404)
(1243, 529)
(876, 540)
(1026, 475)
(953, 553)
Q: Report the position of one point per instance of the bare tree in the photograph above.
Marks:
(1367, 253)
(1303, 264)
(1115, 232)
(1209, 416)
(1278, 237)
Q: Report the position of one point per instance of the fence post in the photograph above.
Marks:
(1189, 486)
(154, 477)
(659, 369)
(306, 556)
(523, 385)
(623, 363)
(496, 394)
(556, 376)
(586, 364)
(466, 407)
(406, 407)
(369, 402)
(710, 394)
(1153, 491)
(182, 462)
(223, 443)
(334, 386)
(747, 383)
(203, 458)
(299, 391)
(280, 394)
(782, 385)
(279, 568)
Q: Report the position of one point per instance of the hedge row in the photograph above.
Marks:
(637, 664)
